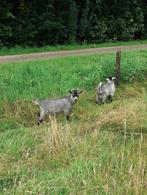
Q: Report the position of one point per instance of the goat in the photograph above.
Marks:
(105, 91)
(58, 105)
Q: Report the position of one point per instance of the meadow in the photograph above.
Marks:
(102, 150)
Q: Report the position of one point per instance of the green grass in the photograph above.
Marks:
(102, 150)
(25, 50)
(54, 77)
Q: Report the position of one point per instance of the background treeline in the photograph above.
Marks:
(42, 22)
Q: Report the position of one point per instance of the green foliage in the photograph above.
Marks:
(29, 23)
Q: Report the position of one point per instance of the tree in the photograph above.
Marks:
(42, 22)
(72, 21)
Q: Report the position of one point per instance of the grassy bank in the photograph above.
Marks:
(102, 150)
(25, 50)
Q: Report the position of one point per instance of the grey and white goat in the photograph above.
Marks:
(105, 91)
(59, 105)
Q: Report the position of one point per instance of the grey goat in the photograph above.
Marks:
(105, 91)
(59, 105)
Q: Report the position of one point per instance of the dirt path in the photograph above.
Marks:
(54, 54)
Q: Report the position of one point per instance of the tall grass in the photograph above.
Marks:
(27, 80)
(58, 159)
(102, 150)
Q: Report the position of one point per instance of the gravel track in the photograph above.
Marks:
(79, 52)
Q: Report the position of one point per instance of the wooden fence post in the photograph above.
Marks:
(117, 67)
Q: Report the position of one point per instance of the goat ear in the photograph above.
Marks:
(113, 78)
(107, 79)
(70, 91)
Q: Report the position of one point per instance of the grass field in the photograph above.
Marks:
(25, 50)
(102, 150)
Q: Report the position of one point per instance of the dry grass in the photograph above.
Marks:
(130, 115)
(5, 165)
(57, 138)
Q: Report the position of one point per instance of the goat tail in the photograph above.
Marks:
(100, 88)
(36, 102)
